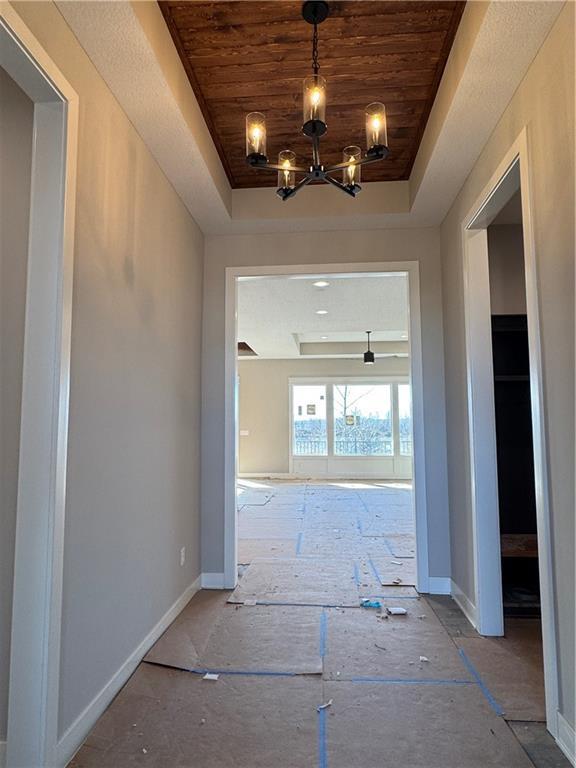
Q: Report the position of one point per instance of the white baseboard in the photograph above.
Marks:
(266, 475)
(2, 754)
(465, 604)
(81, 727)
(212, 581)
(566, 738)
(439, 585)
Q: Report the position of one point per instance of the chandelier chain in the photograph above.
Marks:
(315, 63)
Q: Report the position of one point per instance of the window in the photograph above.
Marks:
(363, 420)
(405, 419)
(347, 419)
(309, 421)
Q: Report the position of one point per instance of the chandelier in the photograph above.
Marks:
(314, 126)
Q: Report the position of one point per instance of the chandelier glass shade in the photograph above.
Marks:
(293, 176)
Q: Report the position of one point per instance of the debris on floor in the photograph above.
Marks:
(367, 603)
(210, 676)
(326, 705)
(396, 610)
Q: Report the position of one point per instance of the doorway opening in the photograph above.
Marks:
(512, 543)
(328, 453)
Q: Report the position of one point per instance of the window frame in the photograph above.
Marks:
(329, 382)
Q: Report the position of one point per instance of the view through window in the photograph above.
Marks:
(309, 421)
(363, 420)
(348, 419)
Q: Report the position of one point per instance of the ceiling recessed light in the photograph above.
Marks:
(324, 337)
(321, 311)
(321, 284)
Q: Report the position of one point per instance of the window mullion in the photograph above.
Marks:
(330, 418)
(395, 421)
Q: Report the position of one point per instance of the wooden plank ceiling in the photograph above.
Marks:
(246, 56)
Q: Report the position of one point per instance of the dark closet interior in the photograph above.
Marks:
(516, 490)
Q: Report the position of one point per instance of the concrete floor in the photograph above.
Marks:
(308, 677)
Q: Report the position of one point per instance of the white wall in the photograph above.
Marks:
(544, 104)
(133, 459)
(506, 265)
(16, 123)
(264, 403)
(420, 245)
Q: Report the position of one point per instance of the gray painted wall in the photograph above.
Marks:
(133, 456)
(420, 245)
(16, 124)
(547, 89)
(506, 266)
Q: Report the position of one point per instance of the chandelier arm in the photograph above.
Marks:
(339, 185)
(276, 167)
(290, 192)
(366, 160)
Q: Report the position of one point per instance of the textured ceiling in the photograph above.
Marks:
(276, 315)
(252, 56)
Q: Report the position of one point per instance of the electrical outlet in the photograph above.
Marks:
(182, 555)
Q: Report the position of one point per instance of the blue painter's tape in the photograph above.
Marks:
(374, 570)
(323, 633)
(487, 695)
(299, 543)
(410, 681)
(322, 752)
(356, 575)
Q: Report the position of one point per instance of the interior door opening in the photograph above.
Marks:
(512, 544)
(325, 442)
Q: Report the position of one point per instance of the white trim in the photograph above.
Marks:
(266, 475)
(411, 268)
(464, 603)
(214, 580)
(566, 738)
(72, 740)
(519, 155)
(33, 702)
(482, 435)
(439, 585)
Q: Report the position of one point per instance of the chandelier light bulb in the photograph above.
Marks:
(314, 105)
(255, 135)
(286, 176)
(376, 127)
(351, 157)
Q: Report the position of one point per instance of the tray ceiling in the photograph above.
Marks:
(248, 56)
